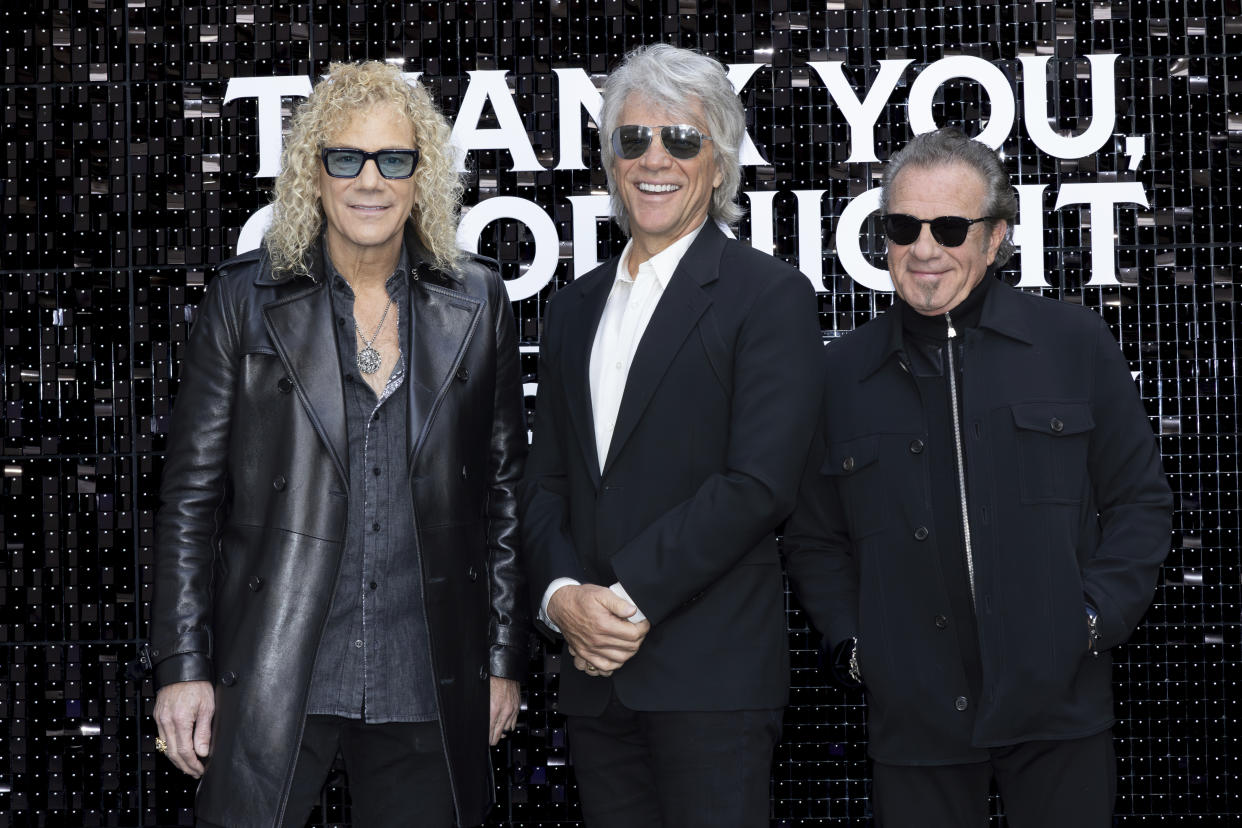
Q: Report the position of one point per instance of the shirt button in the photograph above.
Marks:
(358, 644)
(941, 622)
(961, 703)
(618, 365)
(375, 526)
(920, 533)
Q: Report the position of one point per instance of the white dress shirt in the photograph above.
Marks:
(628, 309)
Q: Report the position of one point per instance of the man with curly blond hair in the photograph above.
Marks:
(337, 555)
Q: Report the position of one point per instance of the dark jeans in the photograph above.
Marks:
(1062, 784)
(398, 775)
(638, 769)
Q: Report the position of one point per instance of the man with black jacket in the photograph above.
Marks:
(983, 516)
(336, 553)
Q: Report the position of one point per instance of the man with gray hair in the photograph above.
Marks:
(982, 517)
(674, 415)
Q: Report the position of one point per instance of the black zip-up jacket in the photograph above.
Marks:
(1066, 500)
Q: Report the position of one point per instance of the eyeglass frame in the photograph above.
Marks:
(370, 156)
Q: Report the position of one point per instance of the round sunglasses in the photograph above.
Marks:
(345, 162)
(948, 231)
(682, 141)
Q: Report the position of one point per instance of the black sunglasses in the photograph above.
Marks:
(949, 231)
(630, 141)
(344, 162)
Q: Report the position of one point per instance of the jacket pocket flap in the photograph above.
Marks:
(850, 456)
(1056, 419)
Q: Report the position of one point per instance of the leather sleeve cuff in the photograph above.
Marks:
(509, 662)
(184, 667)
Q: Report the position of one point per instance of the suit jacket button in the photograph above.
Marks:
(1056, 425)
(279, 483)
(228, 679)
(921, 533)
(916, 446)
(941, 622)
(961, 703)
(847, 464)
(255, 583)
(472, 574)
(285, 385)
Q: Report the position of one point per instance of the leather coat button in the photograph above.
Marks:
(255, 583)
(279, 483)
(285, 385)
(229, 679)
(483, 673)
(921, 533)
(465, 474)
(960, 703)
(916, 446)
(1056, 425)
(941, 622)
(472, 574)
(463, 374)
(847, 464)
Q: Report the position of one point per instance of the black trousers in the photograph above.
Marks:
(1055, 784)
(639, 769)
(398, 775)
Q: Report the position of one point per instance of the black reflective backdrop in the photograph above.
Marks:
(127, 176)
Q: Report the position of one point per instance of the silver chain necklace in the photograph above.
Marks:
(369, 359)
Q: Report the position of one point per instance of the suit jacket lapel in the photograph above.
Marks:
(579, 339)
(676, 315)
(444, 321)
(301, 329)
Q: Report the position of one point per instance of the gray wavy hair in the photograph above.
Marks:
(952, 146)
(675, 80)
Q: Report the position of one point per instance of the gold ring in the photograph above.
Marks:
(161, 745)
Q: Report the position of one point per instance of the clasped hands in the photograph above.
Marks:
(595, 623)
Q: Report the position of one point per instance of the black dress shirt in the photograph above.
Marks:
(374, 657)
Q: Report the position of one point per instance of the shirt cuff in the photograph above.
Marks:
(620, 592)
(547, 595)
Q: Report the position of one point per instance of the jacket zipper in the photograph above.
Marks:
(961, 462)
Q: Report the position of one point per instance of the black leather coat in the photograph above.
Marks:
(254, 506)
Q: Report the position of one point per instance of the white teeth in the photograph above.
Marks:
(658, 188)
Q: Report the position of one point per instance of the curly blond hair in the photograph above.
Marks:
(347, 90)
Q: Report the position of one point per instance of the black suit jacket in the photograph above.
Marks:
(709, 443)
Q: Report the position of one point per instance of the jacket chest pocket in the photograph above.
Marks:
(1052, 443)
(854, 468)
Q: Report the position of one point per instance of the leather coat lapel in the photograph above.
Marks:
(300, 327)
(443, 322)
(579, 339)
(676, 315)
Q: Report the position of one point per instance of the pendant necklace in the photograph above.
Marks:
(368, 358)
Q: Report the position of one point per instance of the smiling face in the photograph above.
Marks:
(930, 277)
(366, 215)
(666, 197)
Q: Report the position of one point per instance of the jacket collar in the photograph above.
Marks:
(1002, 314)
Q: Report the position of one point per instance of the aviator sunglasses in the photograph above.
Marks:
(682, 141)
(344, 162)
(948, 231)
